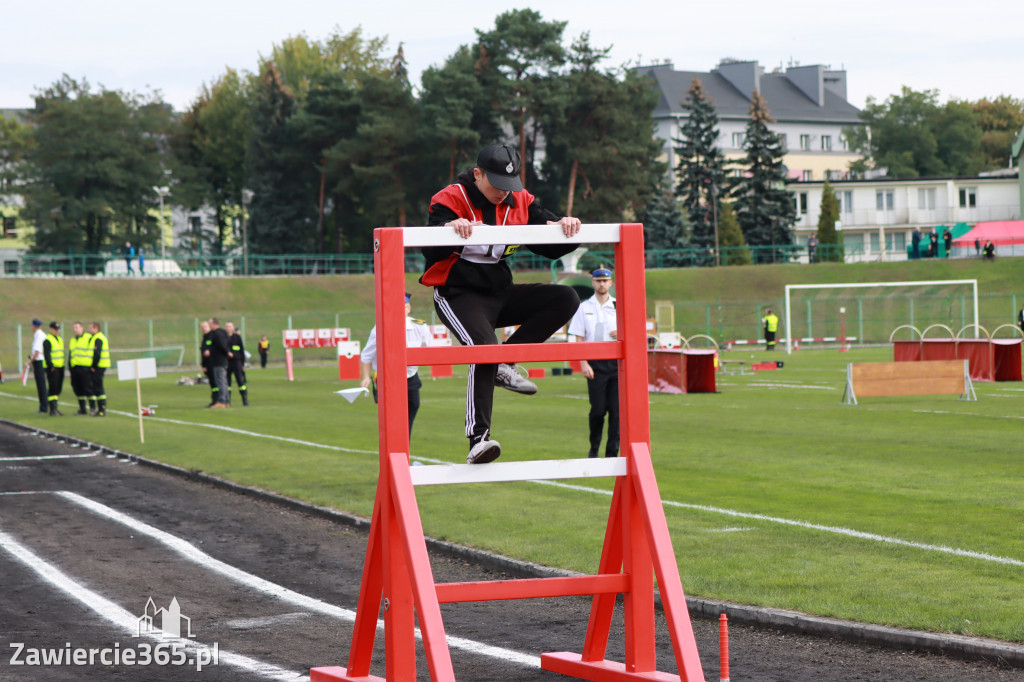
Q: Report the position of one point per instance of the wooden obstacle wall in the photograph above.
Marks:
(932, 377)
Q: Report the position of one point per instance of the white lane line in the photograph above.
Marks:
(41, 457)
(243, 432)
(193, 554)
(121, 618)
(811, 526)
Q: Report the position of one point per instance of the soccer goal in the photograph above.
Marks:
(868, 312)
(166, 356)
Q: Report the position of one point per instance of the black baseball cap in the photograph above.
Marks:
(501, 163)
(55, 325)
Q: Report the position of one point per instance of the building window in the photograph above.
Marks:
(853, 243)
(844, 144)
(737, 140)
(803, 203)
(806, 176)
(8, 225)
(805, 142)
(845, 202)
(884, 200)
(784, 142)
(968, 197)
(926, 199)
(826, 143)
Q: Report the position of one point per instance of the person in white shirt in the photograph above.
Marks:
(38, 370)
(595, 321)
(417, 334)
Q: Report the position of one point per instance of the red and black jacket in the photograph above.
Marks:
(483, 268)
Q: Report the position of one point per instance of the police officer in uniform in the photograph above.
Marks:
(99, 362)
(595, 320)
(36, 362)
(417, 335)
(79, 359)
(236, 362)
(53, 361)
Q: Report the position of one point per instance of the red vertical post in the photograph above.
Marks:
(392, 392)
(634, 428)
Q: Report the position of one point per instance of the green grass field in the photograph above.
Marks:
(901, 511)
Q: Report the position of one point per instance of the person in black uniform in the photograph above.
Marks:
(236, 363)
(473, 289)
(205, 344)
(217, 352)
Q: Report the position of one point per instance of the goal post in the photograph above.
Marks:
(790, 288)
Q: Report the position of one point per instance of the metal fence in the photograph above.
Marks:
(204, 265)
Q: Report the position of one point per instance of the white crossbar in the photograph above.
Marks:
(511, 234)
(538, 470)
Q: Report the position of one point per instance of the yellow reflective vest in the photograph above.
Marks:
(104, 350)
(56, 351)
(80, 350)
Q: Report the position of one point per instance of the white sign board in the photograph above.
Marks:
(126, 369)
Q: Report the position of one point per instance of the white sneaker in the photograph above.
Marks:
(483, 452)
(508, 376)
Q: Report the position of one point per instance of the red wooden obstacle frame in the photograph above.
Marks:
(637, 547)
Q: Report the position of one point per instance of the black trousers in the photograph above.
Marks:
(80, 381)
(769, 340)
(263, 359)
(415, 384)
(539, 309)
(237, 370)
(54, 382)
(96, 390)
(40, 376)
(603, 391)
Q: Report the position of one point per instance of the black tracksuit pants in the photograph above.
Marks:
(472, 316)
(603, 391)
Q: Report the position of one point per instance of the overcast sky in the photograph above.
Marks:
(963, 50)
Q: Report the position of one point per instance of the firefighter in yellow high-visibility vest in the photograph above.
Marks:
(80, 359)
(99, 362)
(771, 325)
(53, 362)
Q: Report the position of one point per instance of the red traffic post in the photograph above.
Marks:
(723, 645)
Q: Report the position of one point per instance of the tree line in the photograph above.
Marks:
(327, 140)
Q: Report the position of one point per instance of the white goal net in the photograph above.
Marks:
(868, 312)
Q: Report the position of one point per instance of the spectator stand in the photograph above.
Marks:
(989, 358)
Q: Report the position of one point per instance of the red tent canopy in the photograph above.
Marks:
(1001, 232)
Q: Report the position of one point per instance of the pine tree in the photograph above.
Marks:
(830, 241)
(730, 238)
(700, 171)
(664, 227)
(284, 210)
(765, 209)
